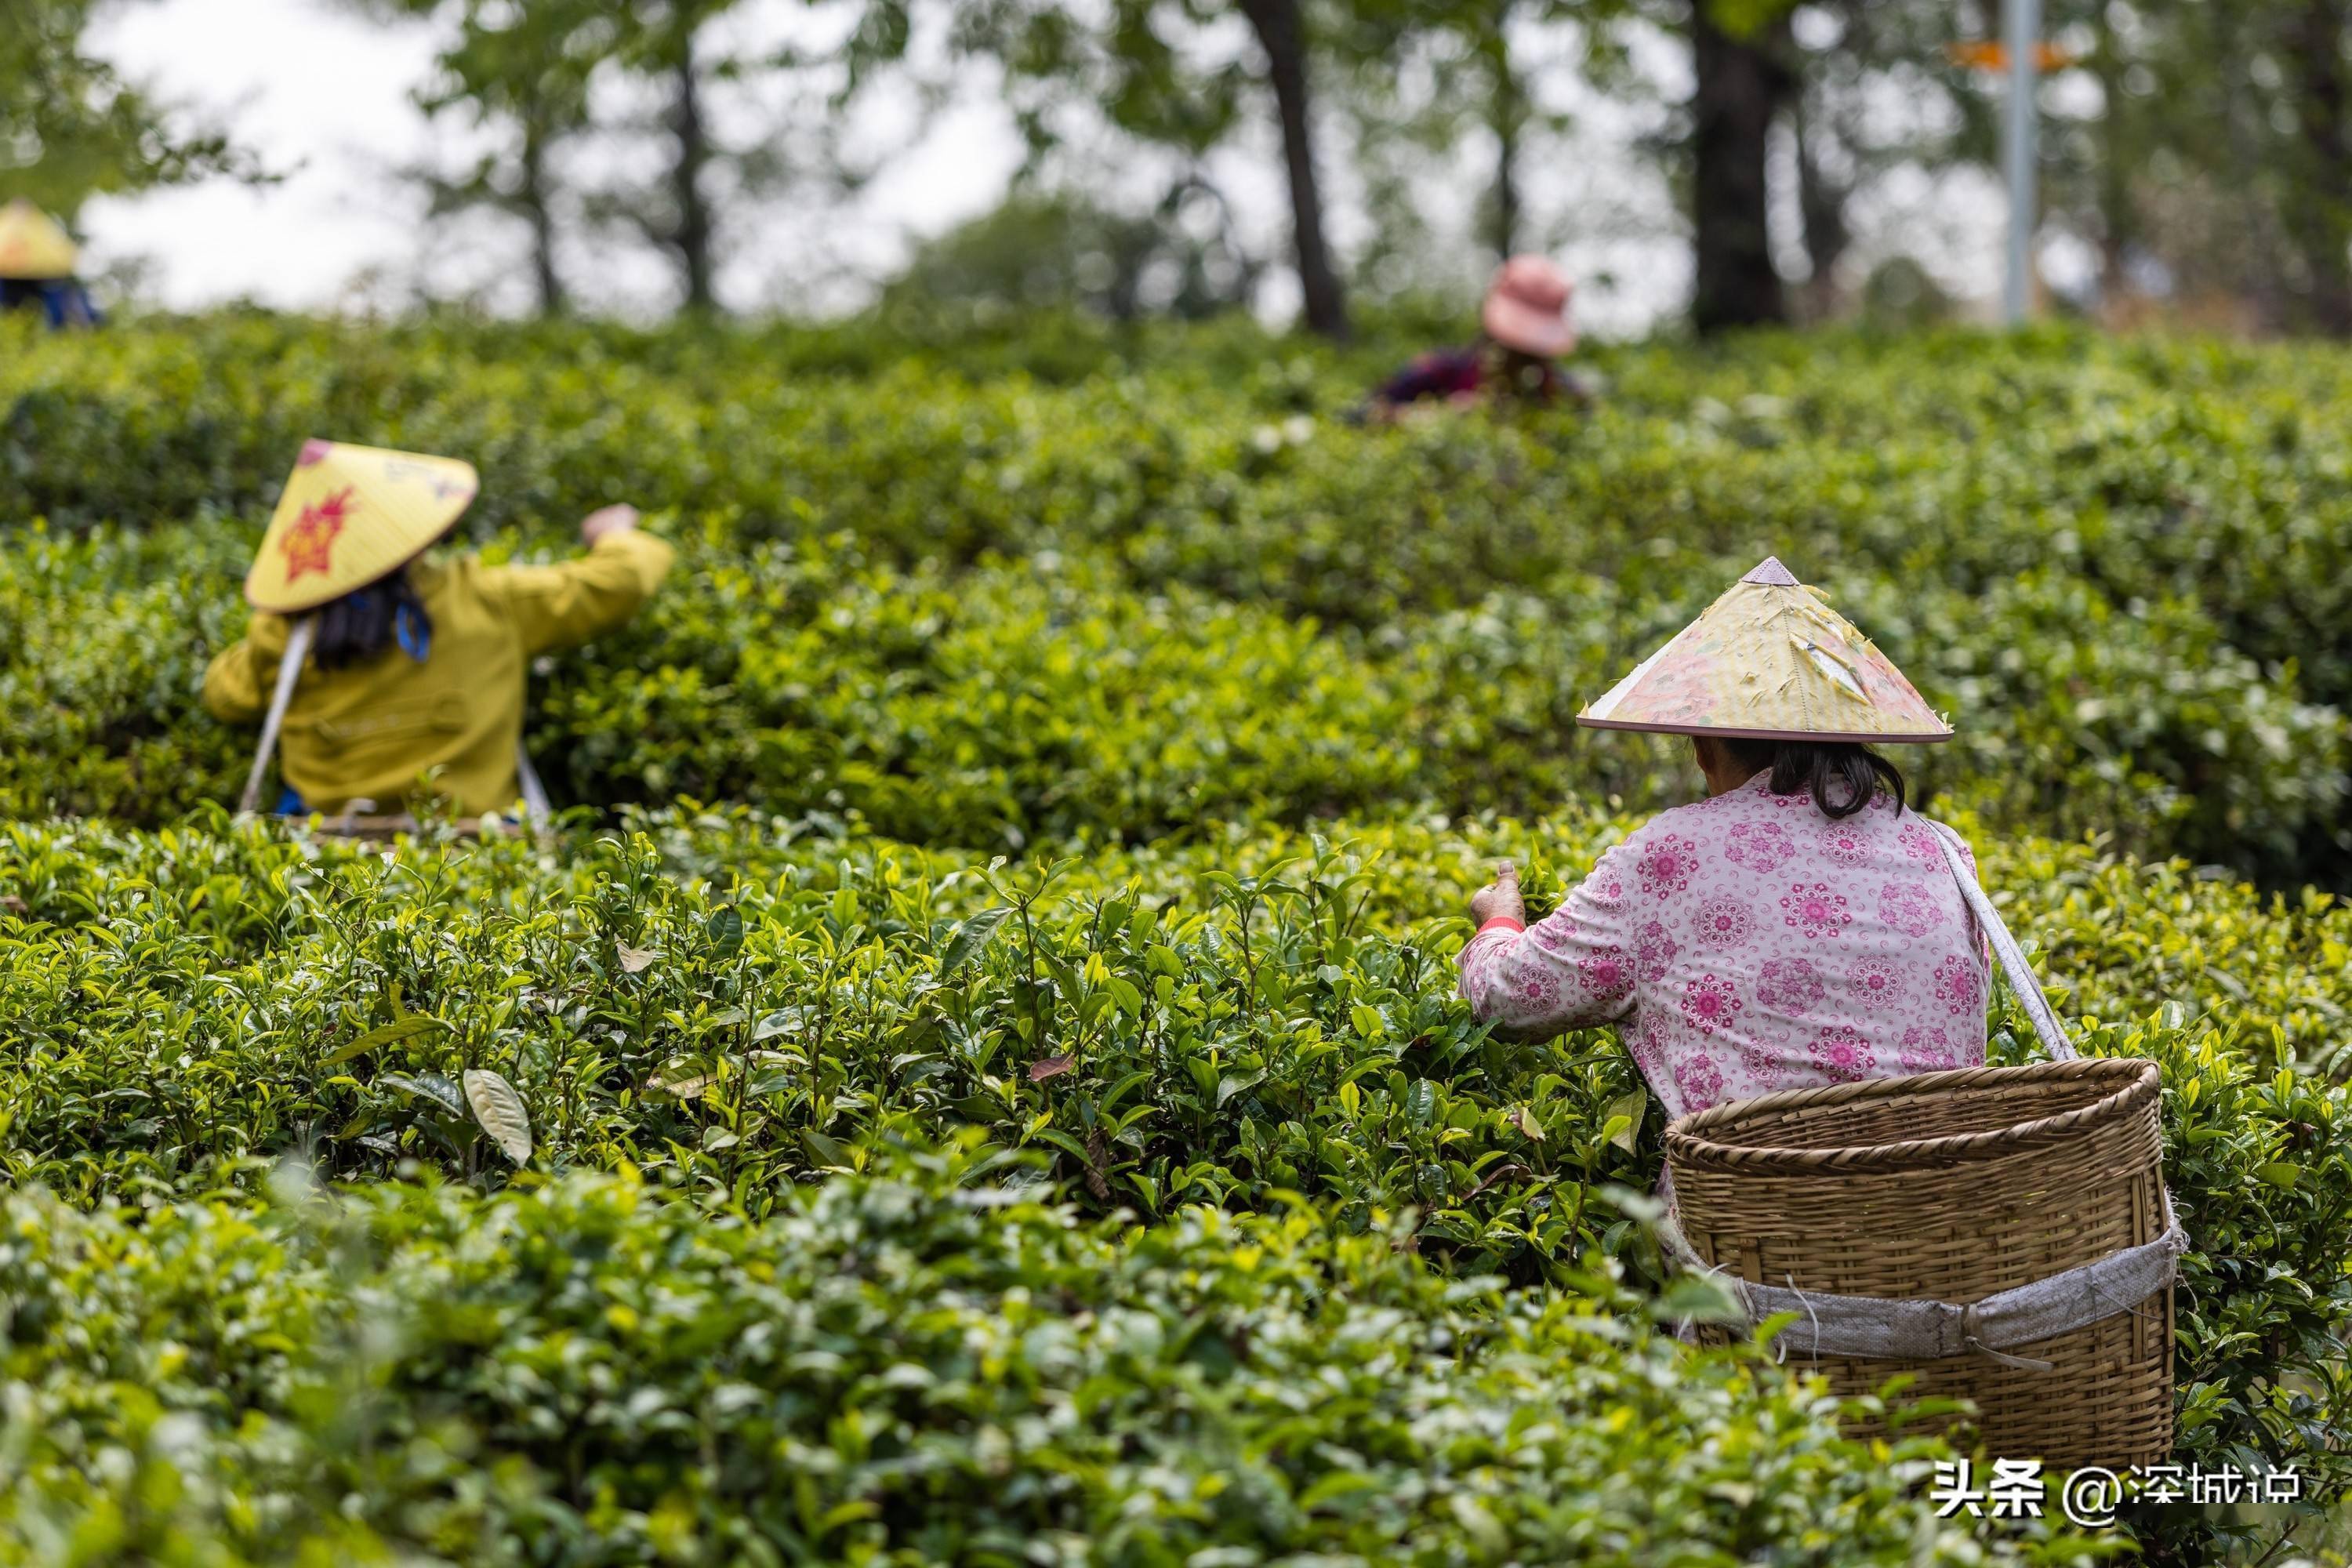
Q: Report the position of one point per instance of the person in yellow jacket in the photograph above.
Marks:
(414, 666)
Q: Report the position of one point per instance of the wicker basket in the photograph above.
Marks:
(1952, 1186)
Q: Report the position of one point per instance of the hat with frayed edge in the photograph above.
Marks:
(351, 516)
(1769, 660)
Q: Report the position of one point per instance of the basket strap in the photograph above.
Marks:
(2005, 946)
(536, 810)
(1878, 1328)
(289, 669)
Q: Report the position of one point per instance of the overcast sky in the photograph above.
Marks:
(324, 97)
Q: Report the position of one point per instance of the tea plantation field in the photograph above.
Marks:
(978, 1080)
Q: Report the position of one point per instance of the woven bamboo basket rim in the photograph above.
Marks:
(355, 829)
(1691, 1139)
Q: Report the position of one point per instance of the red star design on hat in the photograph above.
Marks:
(310, 540)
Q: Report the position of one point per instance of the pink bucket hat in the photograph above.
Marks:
(1526, 308)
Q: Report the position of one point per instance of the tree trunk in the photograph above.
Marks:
(536, 204)
(2116, 217)
(1741, 87)
(1507, 116)
(1282, 33)
(1506, 191)
(692, 236)
(1821, 205)
(2325, 235)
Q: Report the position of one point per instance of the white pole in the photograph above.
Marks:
(2021, 26)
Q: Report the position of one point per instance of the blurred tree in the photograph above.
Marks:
(2104, 162)
(1062, 251)
(2200, 150)
(1877, 90)
(70, 127)
(1157, 70)
(1901, 294)
(676, 48)
(1860, 90)
(1281, 29)
(674, 214)
(1743, 78)
(2275, 138)
(1508, 113)
(521, 69)
(1481, 76)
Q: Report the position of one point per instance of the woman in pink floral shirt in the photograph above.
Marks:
(1801, 926)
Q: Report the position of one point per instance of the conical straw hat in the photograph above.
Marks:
(32, 244)
(350, 516)
(1769, 660)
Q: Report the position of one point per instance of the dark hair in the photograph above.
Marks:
(1841, 775)
(363, 622)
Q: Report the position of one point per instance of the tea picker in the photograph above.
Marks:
(1524, 333)
(37, 262)
(377, 671)
(1798, 966)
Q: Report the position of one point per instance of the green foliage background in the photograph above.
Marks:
(1126, 585)
(1109, 732)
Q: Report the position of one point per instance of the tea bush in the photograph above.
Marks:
(1014, 701)
(1168, 1051)
(739, 1005)
(2120, 565)
(2117, 937)
(919, 1365)
(1108, 736)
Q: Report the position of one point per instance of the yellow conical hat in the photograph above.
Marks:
(1769, 659)
(32, 244)
(351, 515)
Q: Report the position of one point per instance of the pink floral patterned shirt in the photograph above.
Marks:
(1749, 943)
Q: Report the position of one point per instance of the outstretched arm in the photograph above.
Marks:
(1573, 969)
(556, 606)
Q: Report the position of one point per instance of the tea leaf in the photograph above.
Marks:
(428, 1086)
(1629, 1109)
(970, 940)
(680, 1080)
(376, 1039)
(499, 1110)
(724, 933)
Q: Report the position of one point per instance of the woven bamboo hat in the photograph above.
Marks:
(32, 245)
(1769, 660)
(350, 516)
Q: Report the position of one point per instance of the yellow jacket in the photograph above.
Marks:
(368, 732)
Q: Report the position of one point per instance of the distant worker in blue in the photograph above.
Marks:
(37, 261)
